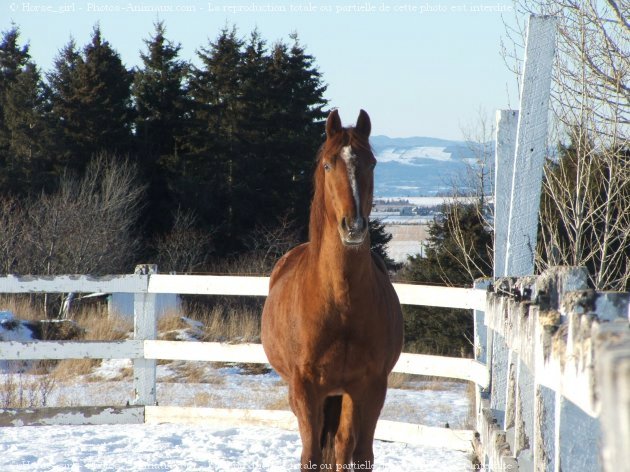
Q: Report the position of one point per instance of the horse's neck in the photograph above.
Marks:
(342, 270)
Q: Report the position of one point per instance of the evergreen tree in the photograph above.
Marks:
(379, 238)
(297, 114)
(23, 112)
(13, 60)
(64, 118)
(91, 103)
(207, 173)
(257, 123)
(251, 170)
(161, 108)
(160, 98)
(447, 331)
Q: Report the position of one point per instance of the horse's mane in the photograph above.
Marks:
(331, 147)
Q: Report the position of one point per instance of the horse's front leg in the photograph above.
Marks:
(371, 399)
(308, 406)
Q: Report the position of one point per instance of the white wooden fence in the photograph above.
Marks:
(552, 371)
(145, 349)
(559, 357)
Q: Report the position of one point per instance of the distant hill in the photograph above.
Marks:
(419, 166)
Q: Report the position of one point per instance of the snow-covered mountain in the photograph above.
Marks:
(420, 166)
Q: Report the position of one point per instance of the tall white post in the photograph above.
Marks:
(531, 144)
(507, 123)
(144, 327)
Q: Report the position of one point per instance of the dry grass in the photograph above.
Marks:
(398, 380)
(403, 381)
(192, 372)
(21, 390)
(171, 322)
(234, 324)
(281, 403)
(97, 325)
(237, 326)
(228, 321)
(231, 322)
(203, 399)
(25, 307)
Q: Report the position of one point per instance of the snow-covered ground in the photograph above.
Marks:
(188, 448)
(210, 447)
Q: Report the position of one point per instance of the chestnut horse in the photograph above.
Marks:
(332, 324)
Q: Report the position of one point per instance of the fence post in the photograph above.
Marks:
(531, 146)
(144, 327)
(481, 347)
(507, 122)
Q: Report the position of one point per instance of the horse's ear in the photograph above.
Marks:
(364, 125)
(333, 124)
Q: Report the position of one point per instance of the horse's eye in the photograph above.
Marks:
(327, 166)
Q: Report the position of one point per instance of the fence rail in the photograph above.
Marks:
(145, 350)
(409, 294)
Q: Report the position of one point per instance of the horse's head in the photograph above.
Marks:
(347, 164)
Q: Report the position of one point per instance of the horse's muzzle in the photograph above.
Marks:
(353, 233)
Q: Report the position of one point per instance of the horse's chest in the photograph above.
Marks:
(346, 353)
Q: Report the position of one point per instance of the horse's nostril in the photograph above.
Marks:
(354, 225)
(358, 224)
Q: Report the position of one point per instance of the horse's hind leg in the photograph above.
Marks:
(308, 406)
(371, 403)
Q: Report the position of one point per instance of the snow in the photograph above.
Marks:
(414, 155)
(209, 447)
(427, 201)
(187, 448)
(399, 251)
(12, 329)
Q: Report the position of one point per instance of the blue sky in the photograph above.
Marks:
(418, 73)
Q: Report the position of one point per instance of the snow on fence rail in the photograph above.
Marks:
(145, 349)
(560, 376)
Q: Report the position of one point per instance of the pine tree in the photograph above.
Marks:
(379, 238)
(64, 118)
(251, 128)
(91, 103)
(160, 97)
(208, 168)
(161, 109)
(296, 112)
(12, 57)
(104, 91)
(23, 115)
(257, 121)
(13, 60)
(447, 331)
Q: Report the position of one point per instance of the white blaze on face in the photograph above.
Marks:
(350, 159)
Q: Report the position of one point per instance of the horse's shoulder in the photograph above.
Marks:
(286, 263)
(380, 264)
